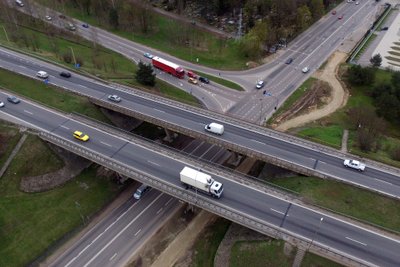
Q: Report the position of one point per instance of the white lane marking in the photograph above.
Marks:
(277, 211)
(28, 112)
(105, 144)
(80, 85)
(151, 162)
(258, 141)
(65, 127)
(138, 232)
(113, 257)
(120, 233)
(160, 110)
(356, 241)
(169, 201)
(159, 210)
(383, 181)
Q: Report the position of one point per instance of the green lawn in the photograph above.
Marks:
(30, 223)
(260, 254)
(329, 135)
(206, 247)
(313, 260)
(49, 95)
(346, 199)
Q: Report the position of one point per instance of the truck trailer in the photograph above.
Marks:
(168, 67)
(203, 182)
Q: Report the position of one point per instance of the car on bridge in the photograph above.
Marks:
(354, 164)
(114, 98)
(81, 136)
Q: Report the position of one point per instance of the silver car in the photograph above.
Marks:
(114, 98)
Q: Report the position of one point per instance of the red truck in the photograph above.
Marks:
(168, 67)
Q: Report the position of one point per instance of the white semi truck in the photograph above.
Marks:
(194, 179)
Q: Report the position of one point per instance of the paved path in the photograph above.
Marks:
(13, 154)
(345, 137)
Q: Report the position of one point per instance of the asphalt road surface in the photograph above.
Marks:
(350, 239)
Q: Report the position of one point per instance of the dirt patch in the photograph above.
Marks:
(338, 98)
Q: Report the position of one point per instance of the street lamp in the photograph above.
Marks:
(315, 233)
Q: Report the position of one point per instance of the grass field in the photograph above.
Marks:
(260, 254)
(206, 247)
(207, 49)
(329, 135)
(9, 137)
(312, 260)
(30, 223)
(346, 199)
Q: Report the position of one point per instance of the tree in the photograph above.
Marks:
(396, 79)
(303, 17)
(358, 75)
(376, 60)
(145, 74)
(317, 9)
(113, 18)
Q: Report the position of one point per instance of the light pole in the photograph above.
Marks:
(315, 233)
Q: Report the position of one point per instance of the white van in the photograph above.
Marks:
(215, 128)
(19, 2)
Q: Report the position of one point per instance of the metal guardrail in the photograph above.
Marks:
(203, 202)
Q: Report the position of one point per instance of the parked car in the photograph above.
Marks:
(204, 80)
(191, 74)
(42, 74)
(85, 25)
(140, 191)
(2, 104)
(354, 164)
(114, 98)
(260, 84)
(384, 28)
(65, 74)
(148, 55)
(13, 99)
(81, 136)
(289, 61)
(192, 80)
(305, 69)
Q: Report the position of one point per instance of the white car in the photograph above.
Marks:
(42, 74)
(114, 98)
(354, 164)
(1, 104)
(305, 70)
(357, 3)
(48, 18)
(260, 84)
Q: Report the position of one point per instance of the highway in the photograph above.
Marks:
(342, 236)
(116, 238)
(259, 141)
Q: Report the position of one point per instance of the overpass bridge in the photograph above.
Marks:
(246, 202)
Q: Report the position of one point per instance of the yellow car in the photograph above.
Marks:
(81, 136)
(192, 80)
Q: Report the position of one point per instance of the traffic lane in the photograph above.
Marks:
(342, 235)
(131, 238)
(377, 180)
(98, 141)
(132, 221)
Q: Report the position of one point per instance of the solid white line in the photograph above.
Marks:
(113, 257)
(151, 162)
(28, 112)
(383, 181)
(258, 141)
(120, 233)
(160, 110)
(280, 212)
(138, 232)
(82, 86)
(356, 241)
(105, 144)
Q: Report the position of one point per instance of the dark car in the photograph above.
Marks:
(65, 74)
(85, 25)
(289, 60)
(13, 99)
(384, 28)
(204, 80)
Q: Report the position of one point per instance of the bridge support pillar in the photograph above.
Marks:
(235, 159)
(169, 135)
